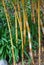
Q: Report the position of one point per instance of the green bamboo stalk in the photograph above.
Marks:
(8, 19)
(39, 30)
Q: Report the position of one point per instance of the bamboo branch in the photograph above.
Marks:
(8, 19)
(39, 29)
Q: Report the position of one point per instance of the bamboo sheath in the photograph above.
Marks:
(8, 19)
(39, 30)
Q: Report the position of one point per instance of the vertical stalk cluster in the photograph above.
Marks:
(39, 29)
(19, 18)
(28, 29)
(8, 19)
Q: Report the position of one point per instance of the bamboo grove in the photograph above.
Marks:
(21, 20)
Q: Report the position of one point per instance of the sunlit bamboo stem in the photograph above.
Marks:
(8, 19)
(29, 37)
(39, 29)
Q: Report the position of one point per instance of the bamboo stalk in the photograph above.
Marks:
(39, 30)
(32, 11)
(29, 38)
(15, 8)
(8, 19)
(24, 33)
(24, 28)
(24, 21)
(20, 24)
(16, 27)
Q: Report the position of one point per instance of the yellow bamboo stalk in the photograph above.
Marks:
(24, 27)
(8, 19)
(29, 38)
(32, 11)
(16, 27)
(39, 30)
(20, 24)
(22, 2)
(24, 21)
(24, 33)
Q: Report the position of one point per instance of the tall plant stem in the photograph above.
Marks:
(24, 19)
(32, 11)
(39, 29)
(8, 19)
(16, 27)
(29, 37)
(20, 24)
